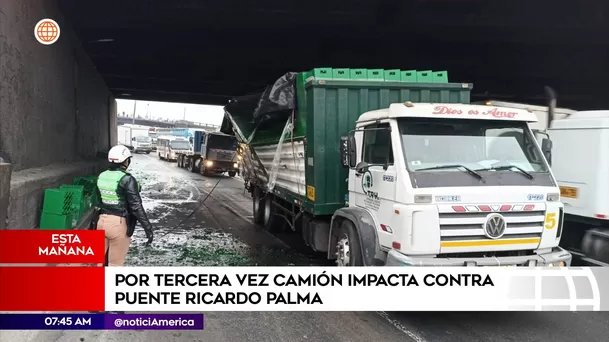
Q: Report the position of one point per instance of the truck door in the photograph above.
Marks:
(204, 146)
(375, 188)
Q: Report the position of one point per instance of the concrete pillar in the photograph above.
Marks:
(5, 192)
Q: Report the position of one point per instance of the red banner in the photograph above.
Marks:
(52, 289)
(52, 246)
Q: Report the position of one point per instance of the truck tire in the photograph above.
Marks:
(232, 173)
(269, 221)
(348, 250)
(257, 206)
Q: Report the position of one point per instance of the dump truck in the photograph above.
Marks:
(210, 153)
(580, 162)
(398, 169)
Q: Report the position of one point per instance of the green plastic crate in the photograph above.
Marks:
(79, 203)
(425, 76)
(408, 76)
(376, 74)
(49, 221)
(440, 77)
(392, 75)
(340, 74)
(358, 74)
(57, 201)
(322, 73)
(89, 183)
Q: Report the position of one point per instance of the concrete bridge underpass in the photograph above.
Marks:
(57, 102)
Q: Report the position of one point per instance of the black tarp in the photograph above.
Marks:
(275, 103)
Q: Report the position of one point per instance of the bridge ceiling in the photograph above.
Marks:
(210, 51)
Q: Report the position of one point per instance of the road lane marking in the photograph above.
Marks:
(400, 327)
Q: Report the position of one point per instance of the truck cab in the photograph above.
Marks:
(218, 154)
(448, 185)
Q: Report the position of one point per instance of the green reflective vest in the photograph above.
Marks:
(107, 183)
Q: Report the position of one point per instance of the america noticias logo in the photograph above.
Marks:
(47, 31)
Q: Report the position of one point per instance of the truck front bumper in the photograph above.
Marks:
(143, 149)
(551, 259)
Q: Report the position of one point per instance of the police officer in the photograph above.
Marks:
(121, 206)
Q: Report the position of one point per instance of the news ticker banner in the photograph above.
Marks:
(101, 321)
(205, 289)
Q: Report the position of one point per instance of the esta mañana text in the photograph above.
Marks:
(65, 244)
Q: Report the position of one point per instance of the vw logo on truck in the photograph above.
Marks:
(494, 227)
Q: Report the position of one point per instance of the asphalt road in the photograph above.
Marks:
(195, 228)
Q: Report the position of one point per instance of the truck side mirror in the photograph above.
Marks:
(352, 151)
(546, 148)
(348, 154)
(361, 167)
(344, 151)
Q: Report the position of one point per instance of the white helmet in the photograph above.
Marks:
(118, 154)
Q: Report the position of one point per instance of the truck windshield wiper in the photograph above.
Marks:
(453, 166)
(509, 167)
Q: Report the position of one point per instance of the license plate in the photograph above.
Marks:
(568, 192)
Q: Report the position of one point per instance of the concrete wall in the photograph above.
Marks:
(57, 116)
(54, 105)
(5, 187)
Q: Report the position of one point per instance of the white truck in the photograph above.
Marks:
(135, 138)
(390, 173)
(580, 162)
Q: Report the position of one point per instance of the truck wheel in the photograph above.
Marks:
(600, 245)
(257, 206)
(269, 221)
(232, 173)
(587, 244)
(348, 250)
(147, 152)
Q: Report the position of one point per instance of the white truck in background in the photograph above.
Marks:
(135, 138)
(580, 162)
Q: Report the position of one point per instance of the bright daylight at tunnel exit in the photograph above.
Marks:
(415, 170)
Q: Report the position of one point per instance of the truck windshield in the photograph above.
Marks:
(180, 145)
(222, 142)
(497, 150)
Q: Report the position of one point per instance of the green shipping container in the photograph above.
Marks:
(327, 110)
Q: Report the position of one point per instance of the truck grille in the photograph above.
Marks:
(464, 226)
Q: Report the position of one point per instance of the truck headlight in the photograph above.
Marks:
(235, 165)
(209, 163)
(553, 197)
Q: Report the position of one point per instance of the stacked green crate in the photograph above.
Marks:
(89, 188)
(57, 210)
(80, 202)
